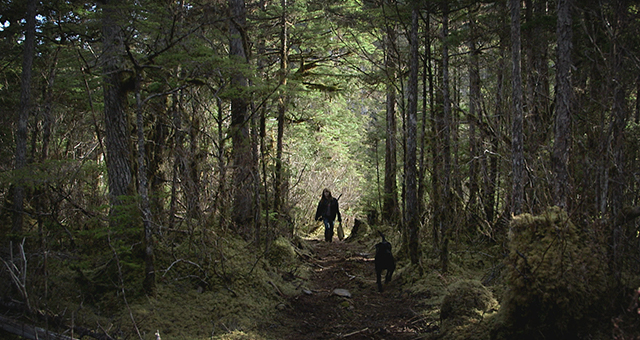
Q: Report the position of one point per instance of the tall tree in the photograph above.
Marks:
(444, 212)
(243, 160)
(474, 113)
(149, 284)
(117, 132)
(491, 136)
(517, 138)
(282, 110)
(23, 117)
(564, 96)
(411, 196)
(427, 105)
(390, 201)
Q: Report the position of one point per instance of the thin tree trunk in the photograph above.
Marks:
(282, 109)
(223, 194)
(517, 138)
(445, 177)
(475, 113)
(562, 143)
(190, 165)
(47, 114)
(149, 284)
(411, 199)
(262, 64)
(436, 147)
(176, 120)
(427, 80)
(390, 196)
(23, 118)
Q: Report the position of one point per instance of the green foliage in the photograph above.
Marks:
(325, 152)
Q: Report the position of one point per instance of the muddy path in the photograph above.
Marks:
(320, 313)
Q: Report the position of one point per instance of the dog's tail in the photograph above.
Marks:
(381, 234)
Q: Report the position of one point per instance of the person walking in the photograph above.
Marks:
(327, 211)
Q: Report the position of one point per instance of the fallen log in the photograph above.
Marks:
(57, 321)
(29, 332)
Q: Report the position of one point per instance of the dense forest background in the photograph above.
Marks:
(149, 142)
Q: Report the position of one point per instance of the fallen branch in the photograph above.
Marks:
(56, 320)
(354, 333)
(29, 332)
(276, 288)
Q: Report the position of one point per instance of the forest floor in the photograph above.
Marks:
(320, 313)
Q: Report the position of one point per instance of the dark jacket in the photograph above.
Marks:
(328, 209)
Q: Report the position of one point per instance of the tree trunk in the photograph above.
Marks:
(149, 284)
(190, 165)
(476, 114)
(490, 160)
(243, 163)
(537, 79)
(117, 134)
(445, 213)
(564, 96)
(282, 109)
(23, 118)
(517, 138)
(47, 114)
(176, 121)
(427, 98)
(617, 147)
(390, 209)
(411, 199)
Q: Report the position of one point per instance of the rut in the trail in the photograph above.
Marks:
(367, 314)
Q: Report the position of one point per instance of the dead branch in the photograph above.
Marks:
(29, 332)
(18, 272)
(56, 320)
(354, 333)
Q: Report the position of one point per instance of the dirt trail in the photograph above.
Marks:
(367, 314)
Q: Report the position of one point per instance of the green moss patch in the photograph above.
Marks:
(555, 280)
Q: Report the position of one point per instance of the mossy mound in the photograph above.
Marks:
(463, 309)
(467, 299)
(555, 279)
(281, 252)
(359, 231)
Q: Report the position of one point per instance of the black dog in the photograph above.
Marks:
(384, 261)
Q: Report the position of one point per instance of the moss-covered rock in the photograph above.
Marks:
(463, 309)
(358, 232)
(281, 252)
(468, 299)
(556, 279)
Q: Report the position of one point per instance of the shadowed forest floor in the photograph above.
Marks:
(367, 314)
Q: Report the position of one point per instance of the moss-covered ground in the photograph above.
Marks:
(542, 282)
